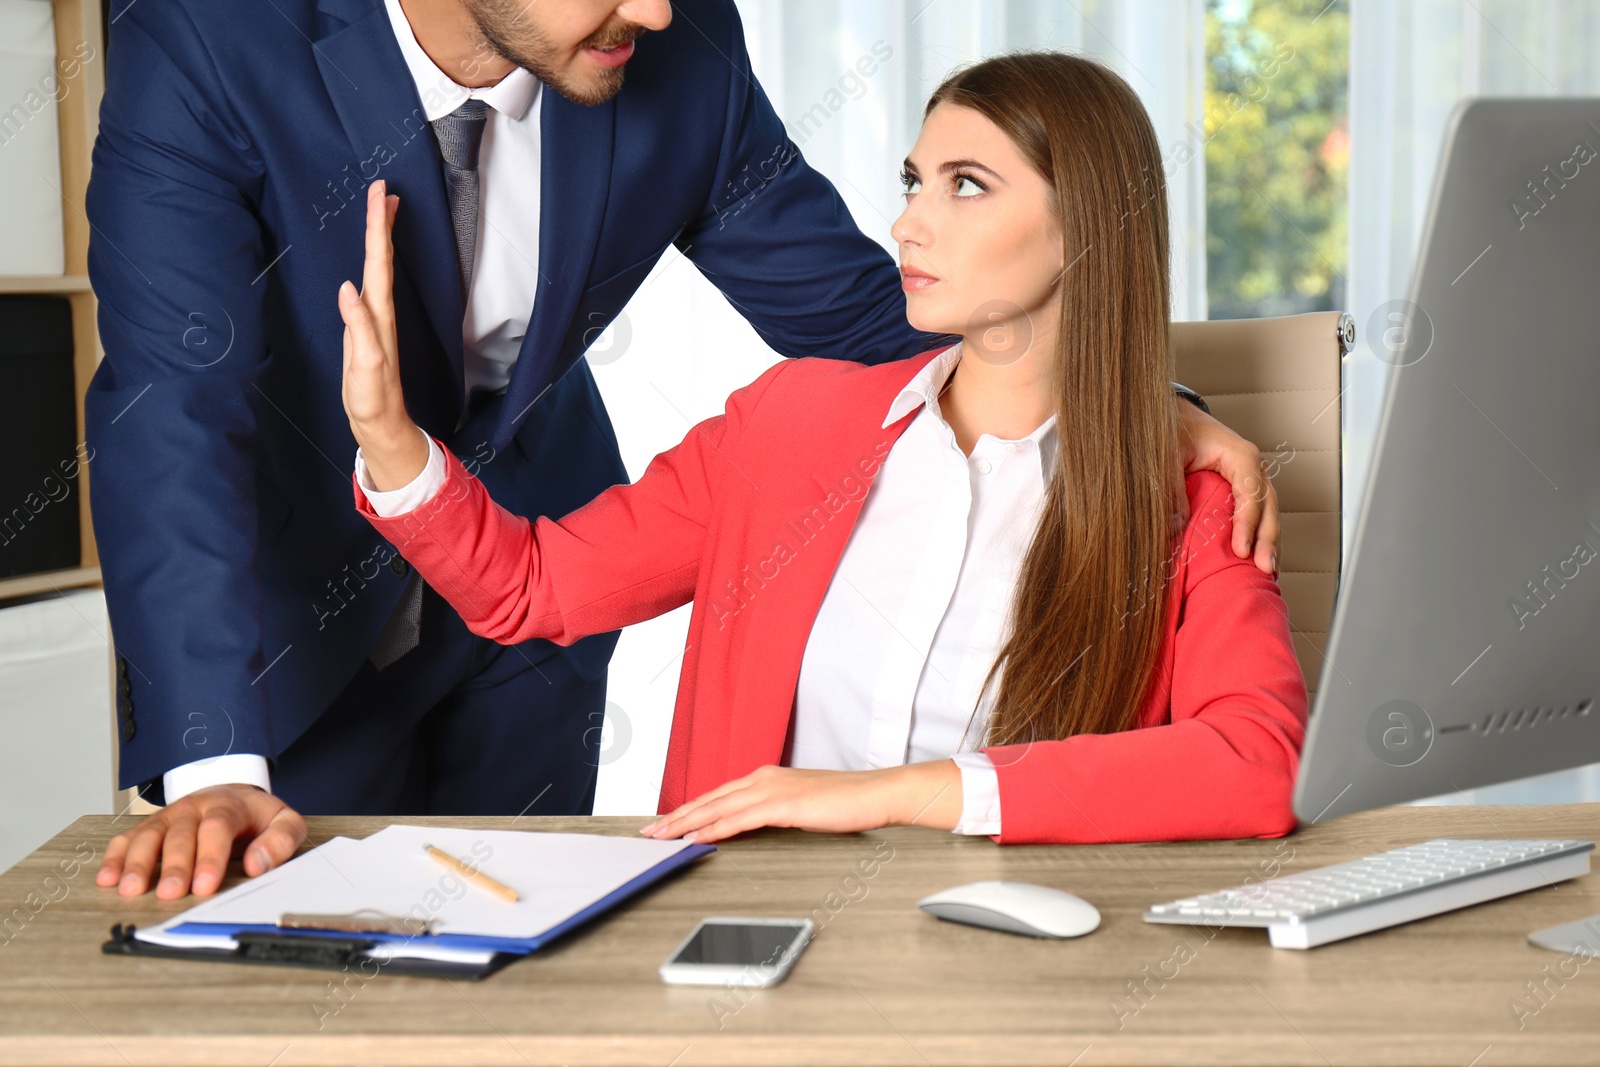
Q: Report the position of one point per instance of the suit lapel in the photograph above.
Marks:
(376, 100)
(575, 146)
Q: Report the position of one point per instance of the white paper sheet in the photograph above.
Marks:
(557, 875)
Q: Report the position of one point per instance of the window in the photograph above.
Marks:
(1277, 156)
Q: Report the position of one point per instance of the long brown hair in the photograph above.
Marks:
(1087, 619)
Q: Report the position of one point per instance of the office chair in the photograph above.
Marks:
(1275, 381)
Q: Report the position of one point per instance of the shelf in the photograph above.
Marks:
(48, 582)
(44, 283)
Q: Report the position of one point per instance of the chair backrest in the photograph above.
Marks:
(1275, 382)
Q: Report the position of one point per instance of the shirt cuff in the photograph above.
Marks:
(236, 768)
(410, 496)
(980, 794)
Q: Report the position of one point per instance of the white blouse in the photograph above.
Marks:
(916, 611)
(914, 616)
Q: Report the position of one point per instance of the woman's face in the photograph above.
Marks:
(980, 249)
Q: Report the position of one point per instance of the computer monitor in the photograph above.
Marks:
(1465, 645)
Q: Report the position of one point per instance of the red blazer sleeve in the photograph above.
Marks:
(630, 554)
(1224, 764)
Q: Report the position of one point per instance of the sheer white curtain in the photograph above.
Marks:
(1410, 62)
(856, 129)
(680, 349)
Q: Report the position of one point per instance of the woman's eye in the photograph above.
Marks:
(965, 186)
(911, 184)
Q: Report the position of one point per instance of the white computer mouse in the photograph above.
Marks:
(1016, 908)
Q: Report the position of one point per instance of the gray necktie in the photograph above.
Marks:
(459, 134)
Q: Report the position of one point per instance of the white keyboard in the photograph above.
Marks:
(1346, 899)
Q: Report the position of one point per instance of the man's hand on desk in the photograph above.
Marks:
(193, 838)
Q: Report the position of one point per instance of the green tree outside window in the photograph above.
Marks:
(1277, 156)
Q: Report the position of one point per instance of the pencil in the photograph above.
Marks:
(471, 874)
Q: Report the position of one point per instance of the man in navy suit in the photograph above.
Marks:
(273, 655)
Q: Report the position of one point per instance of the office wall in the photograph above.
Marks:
(55, 710)
(30, 148)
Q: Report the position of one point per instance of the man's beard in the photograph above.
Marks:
(517, 40)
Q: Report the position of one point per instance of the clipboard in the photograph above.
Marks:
(339, 952)
(339, 949)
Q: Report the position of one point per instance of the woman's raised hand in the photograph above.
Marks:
(394, 448)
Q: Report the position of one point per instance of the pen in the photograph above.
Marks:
(500, 890)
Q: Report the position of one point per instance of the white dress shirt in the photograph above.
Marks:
(506, 264)
(504, 277)
(914, 616)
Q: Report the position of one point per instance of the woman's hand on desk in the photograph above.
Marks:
(393, 446)
(834, 802)
(193, 837)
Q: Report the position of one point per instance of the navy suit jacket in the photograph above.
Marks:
(227, 202)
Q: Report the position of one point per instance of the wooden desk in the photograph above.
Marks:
(882, 982)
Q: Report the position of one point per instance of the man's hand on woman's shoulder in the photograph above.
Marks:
(1209, 445)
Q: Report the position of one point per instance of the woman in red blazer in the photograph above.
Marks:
(1129, 682)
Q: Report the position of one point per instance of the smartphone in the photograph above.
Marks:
(727, 950)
